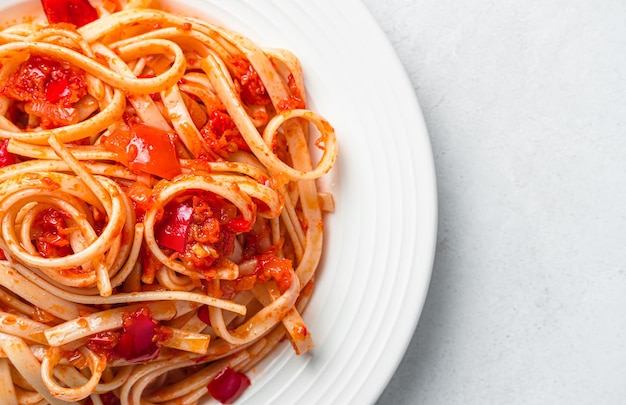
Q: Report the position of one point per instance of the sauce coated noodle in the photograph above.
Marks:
(159, 218)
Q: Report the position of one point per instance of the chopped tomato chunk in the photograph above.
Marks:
(238, 225)
(295, 100)
(139, 340)
(103, 343)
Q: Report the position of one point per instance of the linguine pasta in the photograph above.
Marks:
(160, 222)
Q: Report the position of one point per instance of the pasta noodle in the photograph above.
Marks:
(160, 222)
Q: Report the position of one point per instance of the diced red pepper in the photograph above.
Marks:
(145, 148)
(172, 231)
(141, 337)
(6, 157)
(203, 314)
(77, 12)
(228, 385)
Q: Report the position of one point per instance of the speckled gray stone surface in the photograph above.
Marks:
(525, 102)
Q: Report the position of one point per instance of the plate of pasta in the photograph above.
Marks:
(207, 202)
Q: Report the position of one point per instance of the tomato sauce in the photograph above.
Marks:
(295, 100)
(251, 88)
(222, 135)
(51, 235)
(271, 267)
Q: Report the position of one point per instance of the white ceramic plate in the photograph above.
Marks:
(380, 240)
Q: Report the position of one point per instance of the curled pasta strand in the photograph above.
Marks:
(172, 281)
(231, 167)
(143, 104)
(21, 357)
(98, 246)
(52, 358)
(292, 321)
(271, 199)
(45, 33)
(182, 122)
(42, 153)
(257, 143)
(22, 327)
(327, 137)
(261, 322)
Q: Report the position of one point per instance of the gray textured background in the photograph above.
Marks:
(525, 102)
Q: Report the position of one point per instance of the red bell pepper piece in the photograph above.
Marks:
(203, 314)
(228, 385)
(172, 231)
(156, 153)
(6, 157)
(77, 12)
(140, 338)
